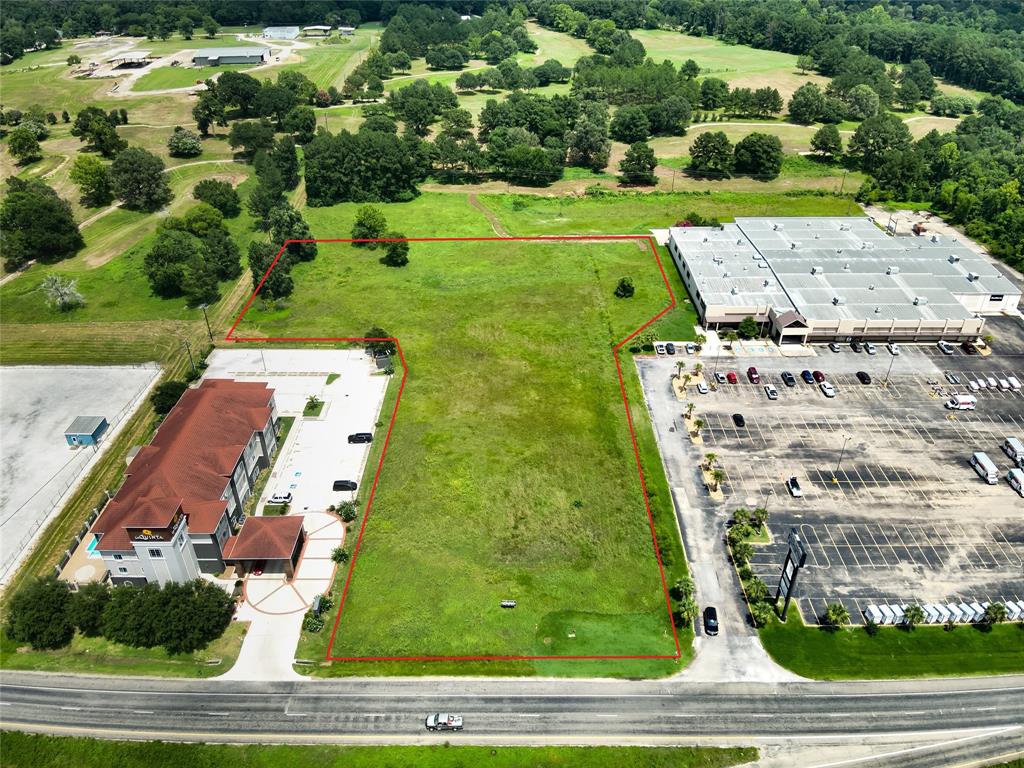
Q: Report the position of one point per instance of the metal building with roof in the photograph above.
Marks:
(85, 430)
(281, 33)
(212, 57)
(816, 279)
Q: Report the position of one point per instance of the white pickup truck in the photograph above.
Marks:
(442, 721)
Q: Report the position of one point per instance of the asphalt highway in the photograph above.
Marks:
(508, 711)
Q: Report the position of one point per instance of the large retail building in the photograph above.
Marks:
(820, 279)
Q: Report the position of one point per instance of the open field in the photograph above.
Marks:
(328, 64)
(99, 656)
(922, 652)
(524, 486)
(182, 77)
(553, 45)
(29, 751)
(739, 65)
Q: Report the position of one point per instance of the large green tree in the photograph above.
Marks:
(37, 614)
(278, 283)
(637, 167)
(92, 176)
(36, 224)
(630, 125)
(23, 145)
(827, 142)
(711, 154)
(759, 154)
(370, 224)
(220, 194)
(807, 104)
(876, 136)
(137, 179)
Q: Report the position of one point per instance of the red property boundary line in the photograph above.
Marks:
(387, 439)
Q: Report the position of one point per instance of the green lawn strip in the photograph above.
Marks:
(312, 410)
(97, 655)
(432, 214)
(182, 77)
(852, 653)
(30, 751)
(524, 485)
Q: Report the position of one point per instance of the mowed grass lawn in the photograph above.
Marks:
(510, 473)
(852, 653)
(32, 751)
(182, 77)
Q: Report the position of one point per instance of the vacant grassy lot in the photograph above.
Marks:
(182, 77)
(30, 751)
(511, 472)
(99, 656)
(739, 65)
(923, 652)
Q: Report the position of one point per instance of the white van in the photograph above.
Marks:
(1013, 448)
(1014, 383)
(1015, 477)
(962, 403)
(985, 468)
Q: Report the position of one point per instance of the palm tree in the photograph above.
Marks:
(741, 516)
(836, 615)
(996, 613)
(760, 516)
(680, 365)
(742, 552)
(757, 590)
(700, 341)
(710, 459)
(913, 615)
(697, 369)
(717, 476)
(698, 425)
(689, 409)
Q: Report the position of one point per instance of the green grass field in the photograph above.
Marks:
(182, 77)
(99, 656)
(328, 64)
(923, 652)
(32, 751)
(514, 477)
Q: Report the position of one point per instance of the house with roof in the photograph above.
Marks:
(184, 494)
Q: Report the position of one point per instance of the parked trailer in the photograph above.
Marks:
(944, 613)
(1012, 610)
(1020, 609)
(979, 610)
(968, 612)
(887, 615)
(897, 614)
(1013, 448)
(874, 615)
(931, 613)
(955, 613)
(984, 467)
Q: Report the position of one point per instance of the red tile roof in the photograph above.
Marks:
(264, 538)
(188, 463)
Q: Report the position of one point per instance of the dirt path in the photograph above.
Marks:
(496, 225)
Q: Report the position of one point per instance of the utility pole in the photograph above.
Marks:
(206, 317)
(188, 348)
(846, 439)
(892, 359)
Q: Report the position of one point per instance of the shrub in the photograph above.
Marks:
(339, 555)
(184, 144)
(166, 395)
(624, 289)
(311, 622)
(38, 615)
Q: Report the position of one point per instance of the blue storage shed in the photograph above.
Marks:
(86, 430)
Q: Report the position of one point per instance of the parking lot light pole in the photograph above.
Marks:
(206, 317)
(846, 439)
(892, 359)
(188, 348)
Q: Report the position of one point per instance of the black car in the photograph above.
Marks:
(360, 437)
(670, 348)
(738, 420)
(345, 485)
(807, 376)
(710, 621)
(788, 379)
(855, 346)
(863, 377)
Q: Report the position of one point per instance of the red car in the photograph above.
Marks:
(753, 375)
(818, 376)
(732, 378)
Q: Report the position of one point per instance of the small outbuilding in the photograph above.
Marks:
(281, 33)
(316, 30)
(266, 544)
(347, 31)
(86, 430)
(213, 57)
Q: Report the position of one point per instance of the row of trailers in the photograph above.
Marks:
(958, 613)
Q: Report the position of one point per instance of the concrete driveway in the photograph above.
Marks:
(275, 606)
(736, 653)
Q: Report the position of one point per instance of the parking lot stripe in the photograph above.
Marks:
(808, 532)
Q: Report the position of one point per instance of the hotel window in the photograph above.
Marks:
(156, 553)
(122, 570)
(119, 557)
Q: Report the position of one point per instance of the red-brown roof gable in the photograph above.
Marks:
(189, 461)
(265, 538)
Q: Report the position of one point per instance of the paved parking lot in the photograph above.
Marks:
(891, 511)
(317, 452)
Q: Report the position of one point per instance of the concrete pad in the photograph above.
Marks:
(318, 569)
(320, 548)
(37, 468)
(310, 588)
(268, 650)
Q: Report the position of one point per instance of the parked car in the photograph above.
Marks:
(732, 377)
(659, 347)
(1003, 385)
(973, 386)
(772, 392)
(1014, 383)
(818, 376)
(863, 378)
(788, 379)
(952, 378)
(753, 375)
(720, 377)
(827, 389)
(442, 721)
(969, 347)
(807, 376)
(856, 346)
(945, 347)
(257, 567)
(360, 437)
(793, 486)
(280, 498)
(991, 381)
(738, 420)
(670, 348)
(894, 349)
(702, 387)
(710, 621)
(981, 383)
(870, 348)
(345, 485)
(691, 348)
(833, 346)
